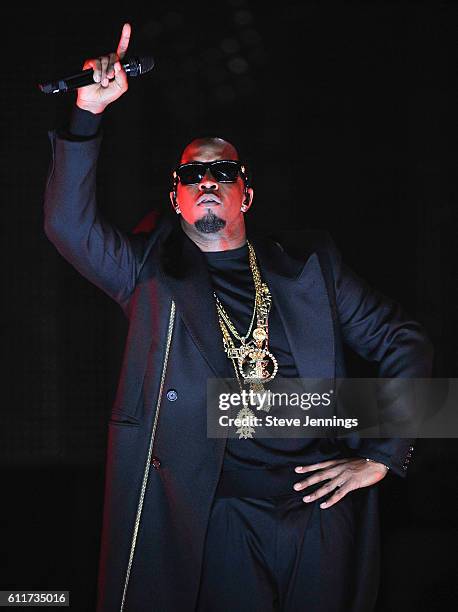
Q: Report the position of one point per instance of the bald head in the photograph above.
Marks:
(208, 149)
(211, 207)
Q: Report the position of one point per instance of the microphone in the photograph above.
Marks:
(134, 66)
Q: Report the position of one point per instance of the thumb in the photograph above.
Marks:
(120, 75)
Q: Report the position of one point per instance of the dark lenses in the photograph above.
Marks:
(191, 173)
(223, 171)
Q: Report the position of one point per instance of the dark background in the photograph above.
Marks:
(346, 114)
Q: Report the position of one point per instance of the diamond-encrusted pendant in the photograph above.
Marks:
(259, 334)
(247, 429)
(259, 389)
(257, 365)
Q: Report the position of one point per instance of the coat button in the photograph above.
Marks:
(156, 463)
(172, 395)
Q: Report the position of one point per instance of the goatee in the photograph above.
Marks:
(210, 223)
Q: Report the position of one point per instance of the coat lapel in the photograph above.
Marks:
(184, 270)
(300, 296)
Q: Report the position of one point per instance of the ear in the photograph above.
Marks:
(173, 200)
(249, 194)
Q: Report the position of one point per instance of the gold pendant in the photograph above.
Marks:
(258, 389)
(259, 334)
(257, 365)
(246, 430)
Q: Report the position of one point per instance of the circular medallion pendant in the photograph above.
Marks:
(257, 365)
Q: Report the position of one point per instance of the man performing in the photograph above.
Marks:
(193, 523)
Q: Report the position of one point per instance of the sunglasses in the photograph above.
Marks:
(222, 170)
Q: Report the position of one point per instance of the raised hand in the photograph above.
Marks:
(110, 79)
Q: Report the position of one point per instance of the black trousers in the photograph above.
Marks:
(279, 553)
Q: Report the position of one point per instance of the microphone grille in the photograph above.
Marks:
(138, 65)
(146, 63)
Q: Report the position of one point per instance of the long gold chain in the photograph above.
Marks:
(252, 360)
(258, 346)
(229, 323)
(257, 299)
(229, 344)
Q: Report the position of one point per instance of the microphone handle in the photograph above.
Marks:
(81, 79)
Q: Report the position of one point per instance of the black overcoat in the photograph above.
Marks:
(161, 468)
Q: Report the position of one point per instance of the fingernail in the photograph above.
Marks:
(297, 487)
(298, 469)
(306, 498)
(323, 505)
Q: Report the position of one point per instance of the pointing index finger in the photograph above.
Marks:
(124, 40)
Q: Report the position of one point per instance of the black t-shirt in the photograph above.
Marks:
(233, 284)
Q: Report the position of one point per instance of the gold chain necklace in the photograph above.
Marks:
(228, 322)
(255, 363)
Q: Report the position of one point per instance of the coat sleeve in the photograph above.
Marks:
(103, 254)
(377, 328)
